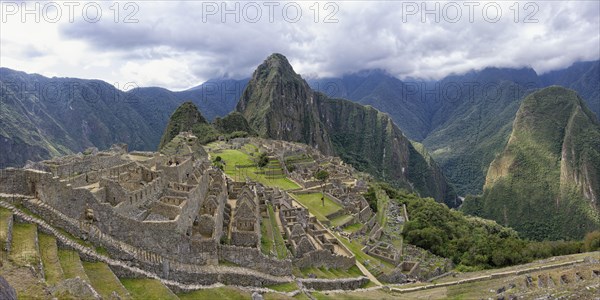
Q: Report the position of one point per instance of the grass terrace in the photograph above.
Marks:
(341, 220)
(280, 248)
(240, 165)
(49, 252)
(315, 206)
(353, 228)
(104, 280)
(24, 250)
(71, 264)
(149, 289)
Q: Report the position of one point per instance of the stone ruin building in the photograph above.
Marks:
(171, 213)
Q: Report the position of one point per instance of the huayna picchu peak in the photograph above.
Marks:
(279, 104)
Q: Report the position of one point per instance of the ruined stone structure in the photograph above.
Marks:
(170, 213)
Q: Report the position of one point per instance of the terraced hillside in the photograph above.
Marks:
(43, 261)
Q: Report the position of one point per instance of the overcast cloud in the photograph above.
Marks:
(180, 45)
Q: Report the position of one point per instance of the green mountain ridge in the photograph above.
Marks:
(279, 104)
(187, 117)
(546, 182)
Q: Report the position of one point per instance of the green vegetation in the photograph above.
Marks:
(233, 125)
(280, 248)
(472, 243)
(360, 135)
(187, 117)
(374, 265)
(591, 241)
(371, 198)
(24, 250)
(322, 176)
(266, 236)
(263, 160)
(353, 228)
(146, 288)
(49, 252)
(240, 165)
(316, 206)
(104, 280)
(535, 186)
(341, 220)
(71, 264)
(284, 287)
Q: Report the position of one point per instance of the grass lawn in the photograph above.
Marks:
(146, 289)
(239, 165)
(266, 237)
(284, 287)
(49, 252)
(104, 280)
(341, 220)
(353, 228)
(282, 251)
(71, 264)
(315, 206)
(221, 293)
(23, 249)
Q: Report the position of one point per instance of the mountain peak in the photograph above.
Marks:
(185, 117)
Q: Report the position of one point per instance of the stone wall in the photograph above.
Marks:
(254, 259)
(84, 164)
(244, 238)
(8, 241)
(335, 284)
(17, 181)
(165, 238)
(178, 173)
(324, 258)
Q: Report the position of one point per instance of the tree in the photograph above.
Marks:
(263, 160)
(322, 176)
(592, 241)
(218, 162)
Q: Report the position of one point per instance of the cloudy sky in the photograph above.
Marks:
(180, 45)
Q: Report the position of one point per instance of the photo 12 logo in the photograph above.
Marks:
(254, 12)
(453, 12)
(69, 11)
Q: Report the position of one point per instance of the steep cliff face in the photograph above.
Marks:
(545, 183)
(279, 104)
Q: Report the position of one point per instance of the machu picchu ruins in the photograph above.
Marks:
(193, 216)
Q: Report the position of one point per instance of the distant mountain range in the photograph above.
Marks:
(464, 121)
(528, 150)
(42, 117)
